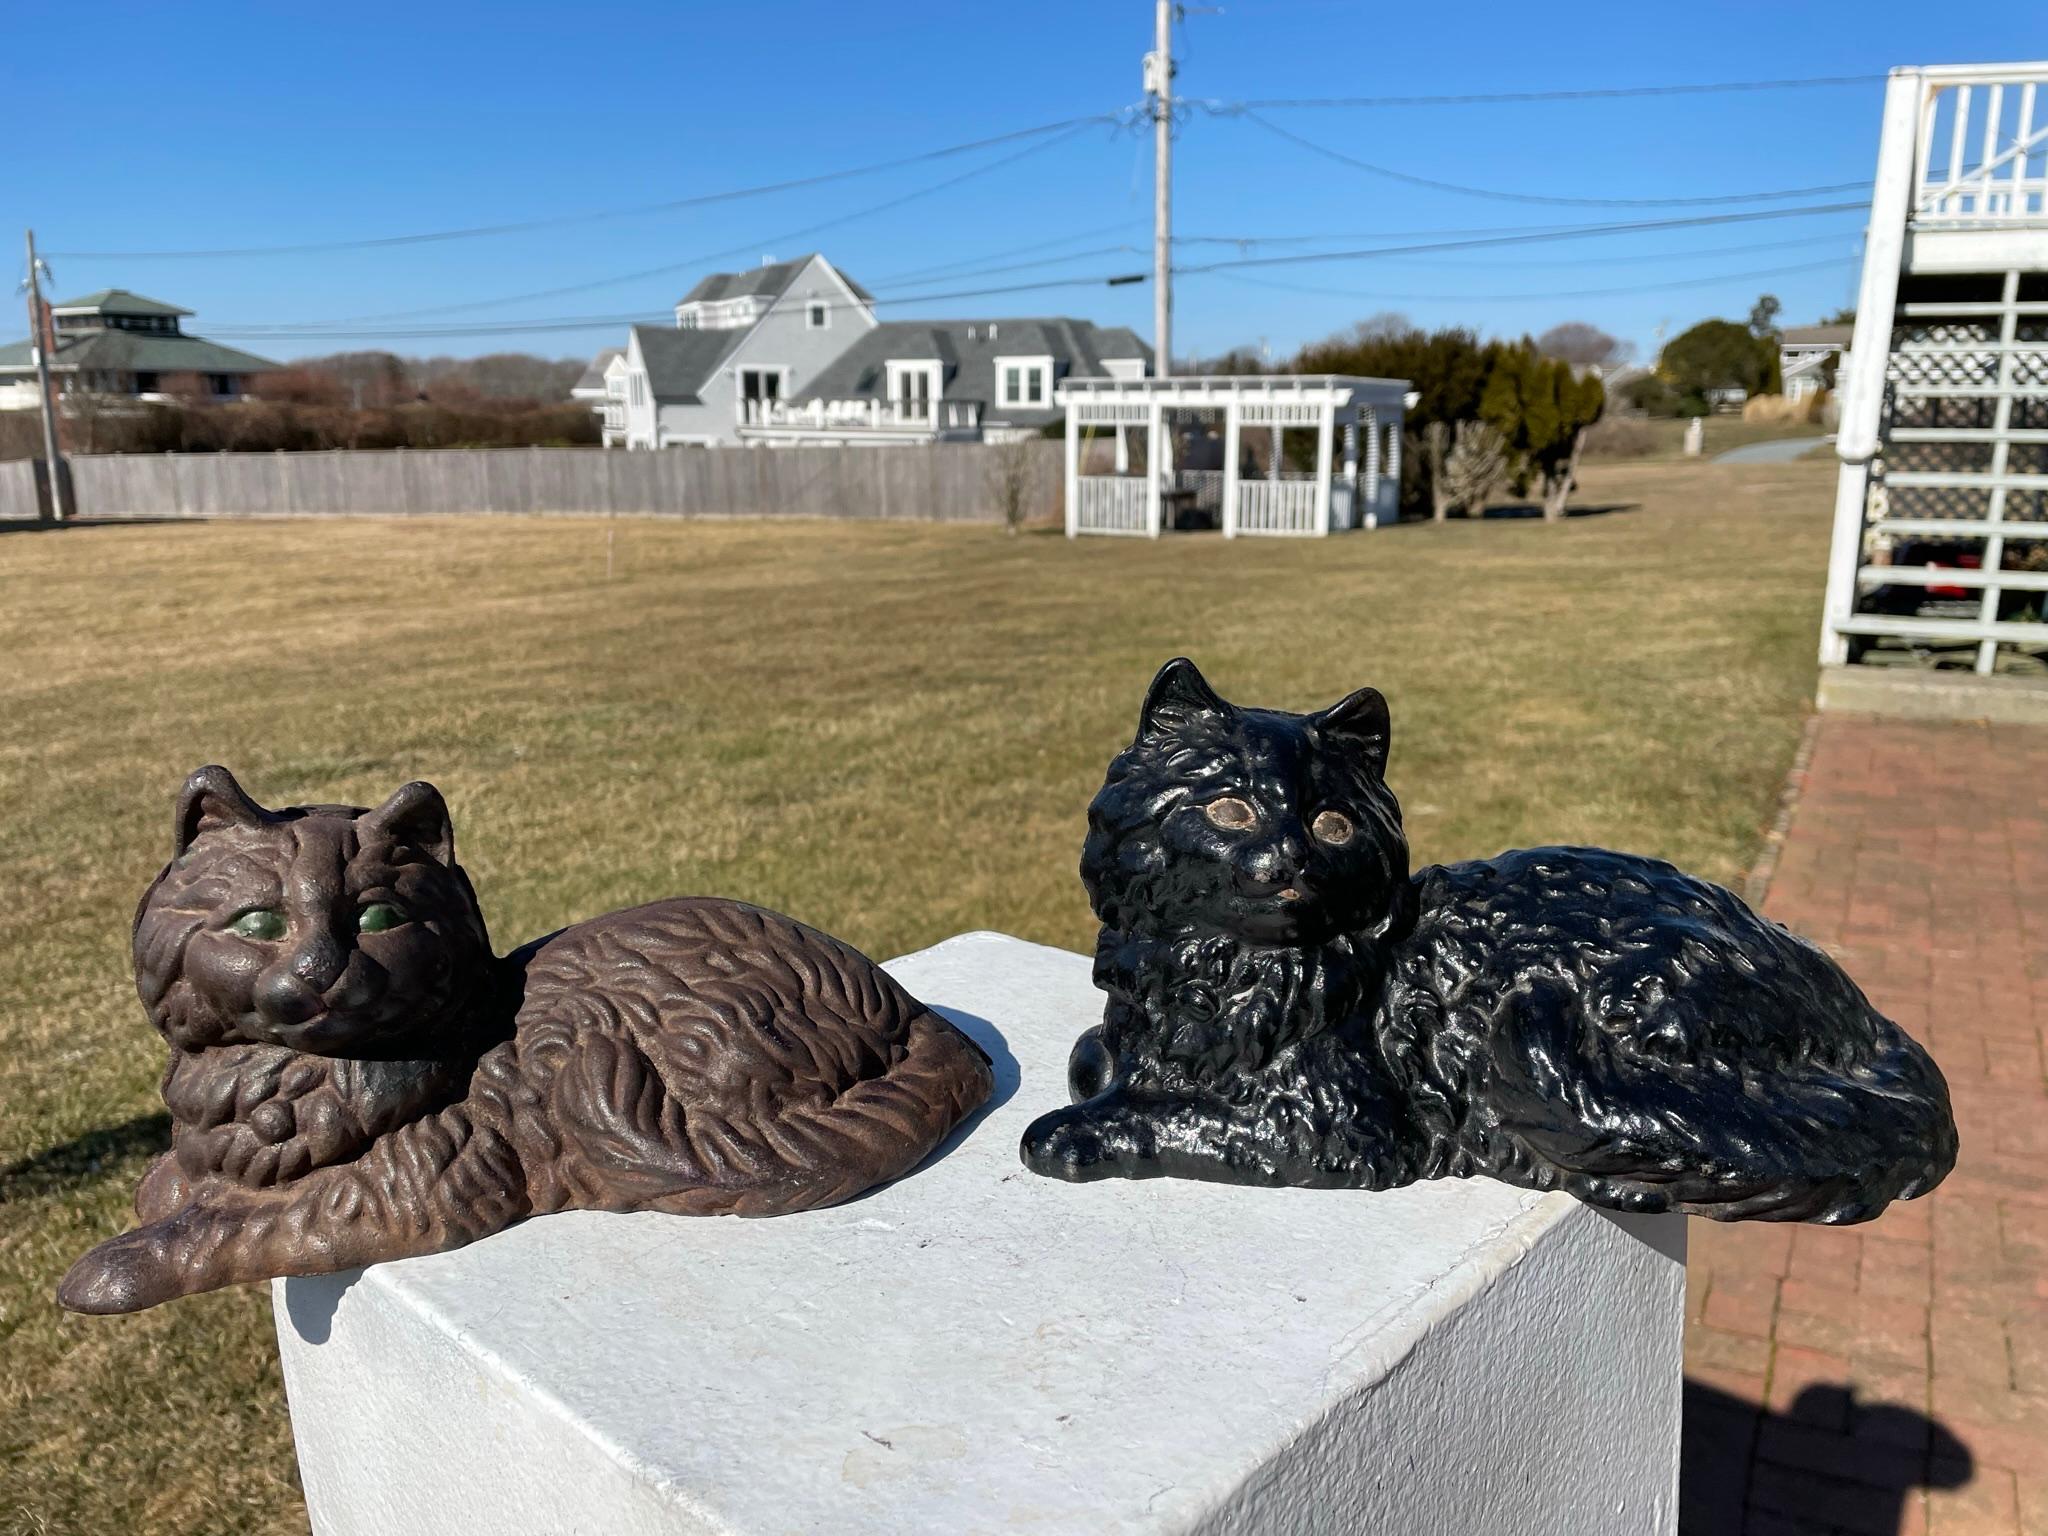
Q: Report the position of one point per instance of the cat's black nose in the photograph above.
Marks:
(1270, 869)
(284, 999)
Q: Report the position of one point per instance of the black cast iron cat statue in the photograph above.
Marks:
(1289, 1006)
(355, 1077)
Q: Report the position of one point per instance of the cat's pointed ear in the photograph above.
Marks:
(1360, 724)
(1179, 696)
(418, 817)
(210, 800)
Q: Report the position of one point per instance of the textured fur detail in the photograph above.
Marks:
(1286, 1006)
(354, 1077)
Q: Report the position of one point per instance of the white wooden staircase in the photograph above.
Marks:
(1941, 517)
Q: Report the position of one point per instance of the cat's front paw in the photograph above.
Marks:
(1071, 1144)
(128, 1274)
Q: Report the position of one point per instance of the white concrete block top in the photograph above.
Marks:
(973, 1347)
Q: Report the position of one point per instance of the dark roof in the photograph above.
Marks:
(592, 377)
(771, 281)
(136, 352)
(1817, 335)
(119, 301)
(679, 362)
(1078, 349)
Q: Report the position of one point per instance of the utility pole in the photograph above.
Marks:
(39, 340)
(1159, 86)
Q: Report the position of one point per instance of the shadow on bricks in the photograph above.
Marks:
(1830, 1465)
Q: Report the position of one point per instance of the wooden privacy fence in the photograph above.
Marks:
(941, 482)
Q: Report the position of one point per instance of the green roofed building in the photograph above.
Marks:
(119, 343)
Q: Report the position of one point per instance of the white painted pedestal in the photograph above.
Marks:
(978, 1349)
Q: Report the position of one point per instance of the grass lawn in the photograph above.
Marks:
(1663, 439)
(890, 731)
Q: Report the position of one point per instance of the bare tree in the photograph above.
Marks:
(1475, 466)
(1582, 344)
(1015, 479)
(1436, 443)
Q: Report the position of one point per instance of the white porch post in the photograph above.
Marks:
(1233, 424)
(1396, 431)
(1155, 467)
(1371, 509)
(1123, 448)
(1326, 421)
(1862, 391)
(1073, 472)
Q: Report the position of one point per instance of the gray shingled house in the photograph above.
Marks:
(119, 343)
(792, 353)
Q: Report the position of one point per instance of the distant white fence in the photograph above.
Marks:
(942, 482)
(1112, 504)
(1286, 505)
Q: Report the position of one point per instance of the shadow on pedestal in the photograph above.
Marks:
(1829, 1464)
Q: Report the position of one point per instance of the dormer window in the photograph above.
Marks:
(817, 315)
(1024, 381)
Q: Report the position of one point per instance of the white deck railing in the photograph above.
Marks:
(905, 416)
(1982, 154)
(1111, 504)
(1280, 506)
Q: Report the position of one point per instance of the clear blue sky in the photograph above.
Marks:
(146, 127)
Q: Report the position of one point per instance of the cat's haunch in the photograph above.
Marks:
(354, 1076)
(1288, 1006)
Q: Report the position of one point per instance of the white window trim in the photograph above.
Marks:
(895, 368)
(823, 307)
(1024, 400)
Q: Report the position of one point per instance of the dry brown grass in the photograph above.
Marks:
(1662, 438)
(889, 730)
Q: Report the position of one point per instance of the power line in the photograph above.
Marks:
(319, 330)
(557, 221)
(1043, 261)
(668, 269)
(342, 330)
(1806, 242)
(1635, 226)
(1388, 173)
(1568, 293)
(949, 267)
(1596, 93)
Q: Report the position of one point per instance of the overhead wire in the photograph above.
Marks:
(557, 221)
(1569, 293)
(1634, 226)
(1586, 93)
(1554, 200)
(691, 263)
(327, 331)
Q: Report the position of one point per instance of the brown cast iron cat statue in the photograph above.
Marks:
(354, 1076)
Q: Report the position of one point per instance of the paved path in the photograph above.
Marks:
(1780, 451)
(1893, 1377)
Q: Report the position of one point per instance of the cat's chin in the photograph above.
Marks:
(342, 1036)
(1280, 925)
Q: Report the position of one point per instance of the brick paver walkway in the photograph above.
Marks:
(1893, 1377)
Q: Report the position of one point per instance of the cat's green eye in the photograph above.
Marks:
(1230, 813)
(1333, 827)
(260, 923)
(378, 916)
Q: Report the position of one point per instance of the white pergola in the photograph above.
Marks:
(1360, 490)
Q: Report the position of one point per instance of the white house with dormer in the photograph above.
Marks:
(792, 353)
